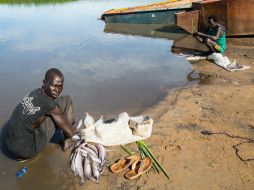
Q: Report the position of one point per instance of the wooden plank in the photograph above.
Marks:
(241, 17)
(188, 20)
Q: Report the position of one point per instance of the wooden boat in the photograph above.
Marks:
(236, 15)
(156, 13)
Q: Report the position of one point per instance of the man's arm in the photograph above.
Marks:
(62, 122)
(214, 38)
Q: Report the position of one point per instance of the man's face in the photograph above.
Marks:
(53, 86)
(211, 23)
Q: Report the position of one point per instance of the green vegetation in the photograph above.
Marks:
(146, 152)
(31, 2)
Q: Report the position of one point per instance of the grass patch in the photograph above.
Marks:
(33, 2)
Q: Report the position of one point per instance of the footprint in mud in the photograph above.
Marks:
(173, 149)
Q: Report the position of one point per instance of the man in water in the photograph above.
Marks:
(38, 114)
(215, 37)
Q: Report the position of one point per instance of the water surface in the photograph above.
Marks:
(106, 71)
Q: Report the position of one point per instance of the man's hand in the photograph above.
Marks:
(69, 144)
(195, 34)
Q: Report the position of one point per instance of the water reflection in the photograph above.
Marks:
(182, 41)
(105, 72)
(170, 32)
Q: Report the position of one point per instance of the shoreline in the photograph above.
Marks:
(221, 102)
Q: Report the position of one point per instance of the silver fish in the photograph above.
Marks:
(87, 169)
(73, 163)
(83, 152)
(79, 144)
(79, 166)
(96, 171)
(91, 146)
(102, 152)
(92, 154)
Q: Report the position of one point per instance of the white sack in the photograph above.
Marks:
(122, 130)
(225, 63)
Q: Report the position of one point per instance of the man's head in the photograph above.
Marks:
(53, 83)
(212, 21)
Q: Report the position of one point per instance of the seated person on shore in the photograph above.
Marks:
(214, 38)
(38, 114)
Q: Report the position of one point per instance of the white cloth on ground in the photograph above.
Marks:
(192, 57)
(218, 59)
(122, 130)
(225, 63)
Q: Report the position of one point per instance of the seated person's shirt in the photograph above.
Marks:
(23, 140)
(221, 41)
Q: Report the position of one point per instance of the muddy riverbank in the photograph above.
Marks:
(221, 102)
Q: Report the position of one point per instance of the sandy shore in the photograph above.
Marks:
(221, 102)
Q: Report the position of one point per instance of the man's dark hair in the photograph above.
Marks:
(212, 17)
(53, 71)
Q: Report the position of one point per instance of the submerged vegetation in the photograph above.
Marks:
(35, 2)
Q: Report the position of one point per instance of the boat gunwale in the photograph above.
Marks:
(147, 11)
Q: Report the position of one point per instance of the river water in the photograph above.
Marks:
(108, 69)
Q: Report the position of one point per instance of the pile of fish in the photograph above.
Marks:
(88, 161)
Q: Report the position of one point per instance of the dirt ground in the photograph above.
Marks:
(222, 102)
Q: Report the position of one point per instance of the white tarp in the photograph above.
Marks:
(121, 130)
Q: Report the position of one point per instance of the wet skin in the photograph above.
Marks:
(52, 87)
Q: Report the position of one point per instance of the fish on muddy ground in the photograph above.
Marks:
(96, 171)
(88, 161)
(102, 153)
(78, 166)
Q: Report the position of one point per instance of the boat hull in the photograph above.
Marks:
(236, 15)
(145, 17)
